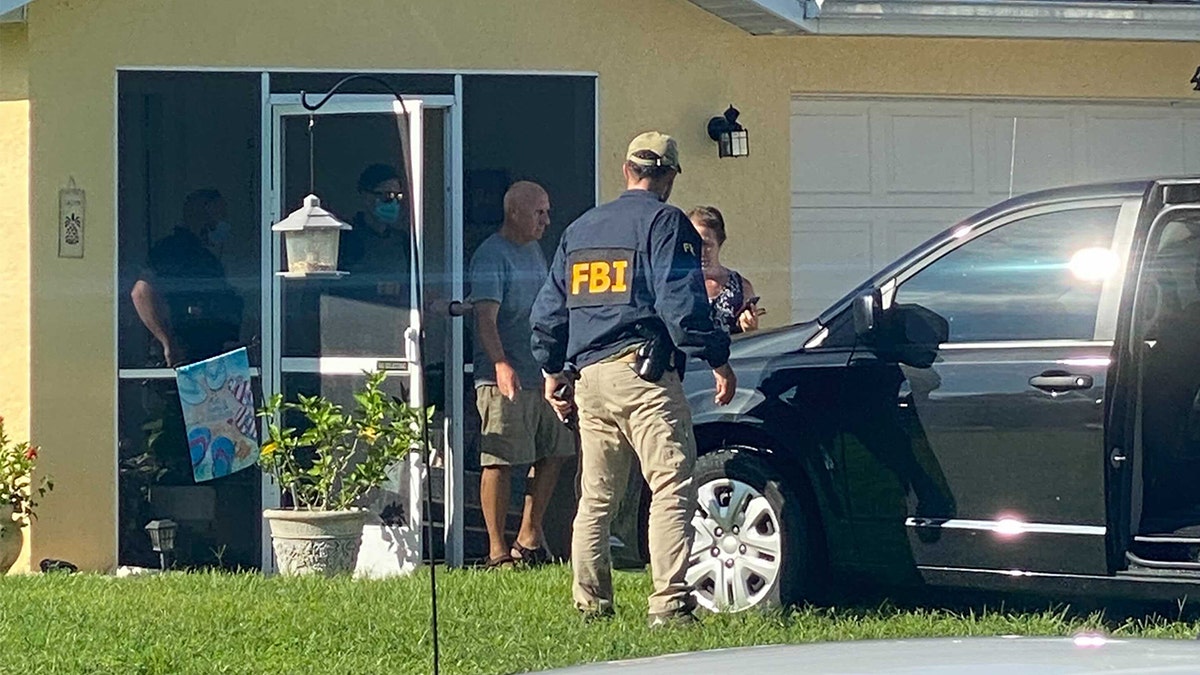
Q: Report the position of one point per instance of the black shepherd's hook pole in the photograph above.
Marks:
(405, 158)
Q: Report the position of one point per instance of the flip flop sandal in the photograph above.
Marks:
(532, 557)
(503, 562)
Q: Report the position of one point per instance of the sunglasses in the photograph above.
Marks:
(389, 195)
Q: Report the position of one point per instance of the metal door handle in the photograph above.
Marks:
(1116, 458)
(1059, 381)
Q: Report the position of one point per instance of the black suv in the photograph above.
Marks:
(1013, 405)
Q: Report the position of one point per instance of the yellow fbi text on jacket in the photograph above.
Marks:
(599, 276)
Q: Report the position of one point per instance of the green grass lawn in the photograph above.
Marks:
(498, 622)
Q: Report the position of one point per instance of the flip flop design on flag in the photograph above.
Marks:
(218, 409)
(243, 418)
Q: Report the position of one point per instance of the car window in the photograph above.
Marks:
(841, 331)
(1171, 274)
(1036, 278)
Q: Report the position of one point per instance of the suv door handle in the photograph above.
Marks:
(1056, 381)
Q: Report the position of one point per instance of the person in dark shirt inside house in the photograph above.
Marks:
(376, 251)
(182, 295)
(365, 312)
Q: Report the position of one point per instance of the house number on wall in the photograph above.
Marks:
(70, 221)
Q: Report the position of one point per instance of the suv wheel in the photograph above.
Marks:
(751, 547)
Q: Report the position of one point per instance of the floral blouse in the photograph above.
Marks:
(726, 304)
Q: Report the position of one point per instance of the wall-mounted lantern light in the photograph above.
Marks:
(311, 236)
(732, 140)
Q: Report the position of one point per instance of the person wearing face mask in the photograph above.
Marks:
(220, 233)
(182, 295)
(376, 251)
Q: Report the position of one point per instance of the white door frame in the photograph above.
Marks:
(275, 108)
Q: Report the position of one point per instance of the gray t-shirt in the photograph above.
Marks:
(510, 274)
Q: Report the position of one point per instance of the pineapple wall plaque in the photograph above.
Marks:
(71, 210)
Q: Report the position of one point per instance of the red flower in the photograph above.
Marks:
(31, 453)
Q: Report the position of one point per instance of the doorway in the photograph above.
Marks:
(327, 332)
(1167, 356)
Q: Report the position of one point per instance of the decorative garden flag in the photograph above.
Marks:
(218, 409)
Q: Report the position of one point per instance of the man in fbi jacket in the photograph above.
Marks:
(624, 305)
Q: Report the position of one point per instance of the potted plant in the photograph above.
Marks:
(18, 495)
(328, 468)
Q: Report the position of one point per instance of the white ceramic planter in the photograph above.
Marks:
(315, 542)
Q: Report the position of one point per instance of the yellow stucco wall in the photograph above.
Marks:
(662, 63)
(14, 62)
(14, 237)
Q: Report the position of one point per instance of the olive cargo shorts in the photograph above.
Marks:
(621, 414)
(524, 431)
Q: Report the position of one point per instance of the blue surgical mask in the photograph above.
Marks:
(220, 232)
(388, 212)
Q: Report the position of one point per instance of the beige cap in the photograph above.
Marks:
(661, 145)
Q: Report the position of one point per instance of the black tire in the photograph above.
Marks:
(800, 566)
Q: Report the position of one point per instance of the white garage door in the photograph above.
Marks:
(873, 178)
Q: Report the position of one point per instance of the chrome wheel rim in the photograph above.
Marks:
(736, 555)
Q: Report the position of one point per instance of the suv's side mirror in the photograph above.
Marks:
(867, 310)
(920, 333)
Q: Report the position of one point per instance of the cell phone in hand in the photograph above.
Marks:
(749, 304)
(564, 393)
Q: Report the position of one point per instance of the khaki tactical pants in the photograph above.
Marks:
(621, 414)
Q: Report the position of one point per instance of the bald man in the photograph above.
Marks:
(519, 427)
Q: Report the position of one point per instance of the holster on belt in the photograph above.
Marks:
(657, 353)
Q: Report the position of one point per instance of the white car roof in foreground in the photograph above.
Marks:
(942, 656)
